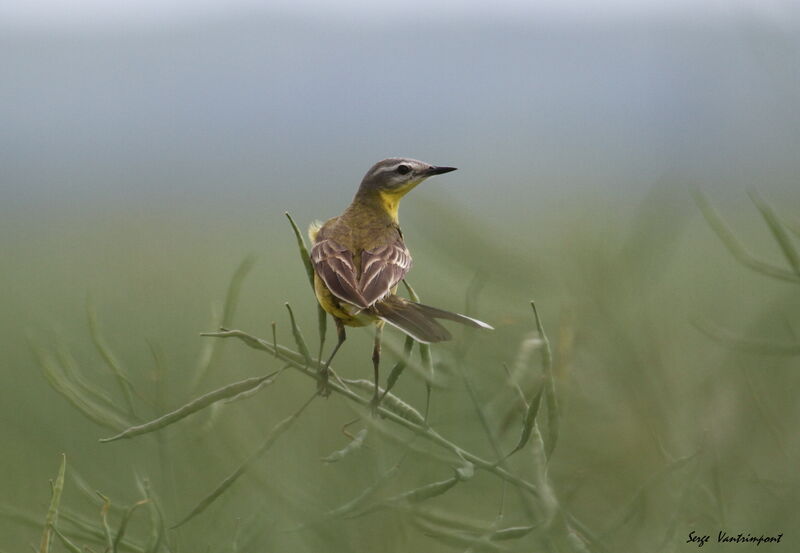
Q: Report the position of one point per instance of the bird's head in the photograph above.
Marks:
(394, 177)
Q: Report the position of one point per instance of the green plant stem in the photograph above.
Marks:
(52, 512)
(297, 362)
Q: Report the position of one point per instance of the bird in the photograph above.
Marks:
(360, 257)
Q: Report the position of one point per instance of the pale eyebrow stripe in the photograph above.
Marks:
(385, 168)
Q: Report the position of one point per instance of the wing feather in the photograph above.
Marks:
(382, 268)
(334, 265)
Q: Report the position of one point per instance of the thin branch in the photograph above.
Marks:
(735, 247)
(52, 512)
(297, 362)
(226, 392)
(749, 345)
(277, 431)
(210, 355)
(778, 232)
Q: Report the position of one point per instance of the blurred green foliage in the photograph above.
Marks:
(667, 423)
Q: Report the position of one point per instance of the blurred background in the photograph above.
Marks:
(147, 148)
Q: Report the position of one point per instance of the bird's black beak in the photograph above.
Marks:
(439, 170)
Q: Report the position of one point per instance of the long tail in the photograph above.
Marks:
(419, 321)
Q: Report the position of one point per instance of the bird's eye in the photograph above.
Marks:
(403, 169)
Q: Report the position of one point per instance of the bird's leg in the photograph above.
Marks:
(324, 372)
(376, 361)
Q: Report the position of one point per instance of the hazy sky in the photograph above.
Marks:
(102, 13)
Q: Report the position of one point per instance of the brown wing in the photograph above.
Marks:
(334, 265)
(382, 268)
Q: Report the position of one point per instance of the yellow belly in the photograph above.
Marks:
(340, 310)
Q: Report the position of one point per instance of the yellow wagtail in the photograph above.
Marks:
(359, 258)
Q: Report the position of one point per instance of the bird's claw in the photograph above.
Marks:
(374, 404)
(323, 384)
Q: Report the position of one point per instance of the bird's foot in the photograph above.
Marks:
(374, 404)
(323, 383)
